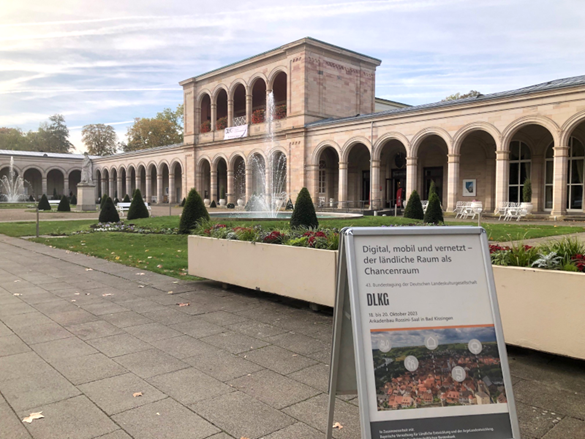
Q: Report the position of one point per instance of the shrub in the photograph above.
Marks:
(44, 203)
(103, 201)
(527, 191)
(206, 126)
(126, 199)
(213, 204)
(55, 196)
(231, 206)
(194, 212)
(116, 201)
(289, 205)
(182, 203)
(434, 213)
(109, 214)
(221, 123)
(31, 198)
(414, 208)
(258, 116)
(137, 208)
(73, 200)
(304, 214)
(280, 112)
(64, 205)
(222, 193)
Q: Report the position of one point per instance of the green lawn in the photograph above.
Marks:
(26, 205)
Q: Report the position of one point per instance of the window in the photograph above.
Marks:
(575, 174)
(548, 177)
(520, 161)
(322, 176)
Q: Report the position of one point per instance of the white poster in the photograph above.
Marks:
(236, 132)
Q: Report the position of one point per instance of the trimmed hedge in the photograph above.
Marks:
(182, 203)
(64, 205)
(126, 199)
(109, 214)
(44, 203)
(74, 200)
(213, 204)
(434, 213)
(304, 214)
(137, 208)
(414, 208)
(193, 212)
(103, 201)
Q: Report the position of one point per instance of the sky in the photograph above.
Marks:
(112, 61)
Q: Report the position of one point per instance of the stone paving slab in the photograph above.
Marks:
(79, 337)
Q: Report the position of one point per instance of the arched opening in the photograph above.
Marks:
(153, 197)
(205, 179)
(105, 183)
(239, 105)
(164, 170)
(279, 90)
(258, 101)
(328, 178)
(142, 180)
(55, 184)
(221, 110)
(74, 180)
(124, 189)
(220, 179)
(240, 178)
(477, 169)
(205, 115)
(114, 183)
(575, 198)
(132, 175)
(177, 193)
(258, 165)
(393, 174)
(526, 160)
(432, 166)
(359, 183)
(33, 183)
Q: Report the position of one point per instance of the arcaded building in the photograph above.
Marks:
(330, 133)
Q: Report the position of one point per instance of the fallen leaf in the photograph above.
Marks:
(338, 426)
(137, 394)
(89, 269)
(140, 286)
(16, 281)
(73, 300)
(76, 294)
(159, 266)
(17, 294)
(176, 282)
(139, 274)
(117, 257)
(107, 294)
(170, 292)
(183, 304)
(32, 417)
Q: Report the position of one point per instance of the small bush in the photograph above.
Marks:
(31, 198)
(289, 205)
(109, 214)
(74, 200)
(231, 206)
(182, 203)
(527, 191)
(55, 196)
(64, 205)
(194, 212)
(126, 199)
(44, 203)
(103, 201)
(213, 204)
(304, 214)
(434, 213)
(137, 208)
(414, 208)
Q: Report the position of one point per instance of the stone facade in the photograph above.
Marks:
(348, 155)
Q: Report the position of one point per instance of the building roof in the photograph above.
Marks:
(54, 155)
(140, 151)
(545, 86)
(390, 102)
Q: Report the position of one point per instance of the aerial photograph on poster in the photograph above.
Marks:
(443, 367)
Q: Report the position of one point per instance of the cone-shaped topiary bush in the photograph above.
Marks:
(527, 191)
(109, 214)
(126, 199)
(289, 205)
(304, 214)
(137, 208)
(64, 205)
(103, 201)
(213, 204)
(414, 208)
(182, 203)
(432, 189)
(74, 200)
(44, 203)
(193, 212)
(434, 213)
(31, 198)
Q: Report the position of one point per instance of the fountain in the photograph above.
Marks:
(12, 186)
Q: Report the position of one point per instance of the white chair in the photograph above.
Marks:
(459, 208)
(425, 204)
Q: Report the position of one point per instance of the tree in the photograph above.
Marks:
(193, 212)
(414, 208)
(137, 208)
(304, 214)
(64, 205)
(150, 133)
(109, 214)
(14, 139)
(54, 136)
(175, 117)
(44, 203)
(456, 96)
(434, 212)
(99, 139)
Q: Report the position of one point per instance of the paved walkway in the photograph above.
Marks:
(105, 352)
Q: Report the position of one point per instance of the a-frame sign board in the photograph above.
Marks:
(418, 336)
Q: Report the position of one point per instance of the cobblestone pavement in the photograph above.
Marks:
(80, 338)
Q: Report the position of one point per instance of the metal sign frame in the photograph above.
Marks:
(347, 309)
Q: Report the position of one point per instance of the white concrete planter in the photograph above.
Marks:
(206, 202)
(240, 202)
(297, 272)
(527, 206)
(222, 202)
(542, 309)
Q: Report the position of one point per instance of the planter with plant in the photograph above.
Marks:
(258, 116)
(222, 201)
(221, 123)
(527, 196)
(205, 127)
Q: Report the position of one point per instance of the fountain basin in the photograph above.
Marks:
(278, 216)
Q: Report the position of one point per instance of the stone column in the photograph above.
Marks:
(213, 186)
(119, 186)
(230, 115)
(313, 179)
(453, 161)
(502, 176)
(128, 184)
(490, 201)
(213, 116)
(172, 191)
(197, 127)
(231, 187)
(375, 193)
(112, 188)
(411, 177)
(44, 185)
(342, 185)
(249, 181)
(65, 185)
(536, 180)
(561, 170)
(159, 187)
(148, 186)
(103, 187)
(137, 182)
(248, 113)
